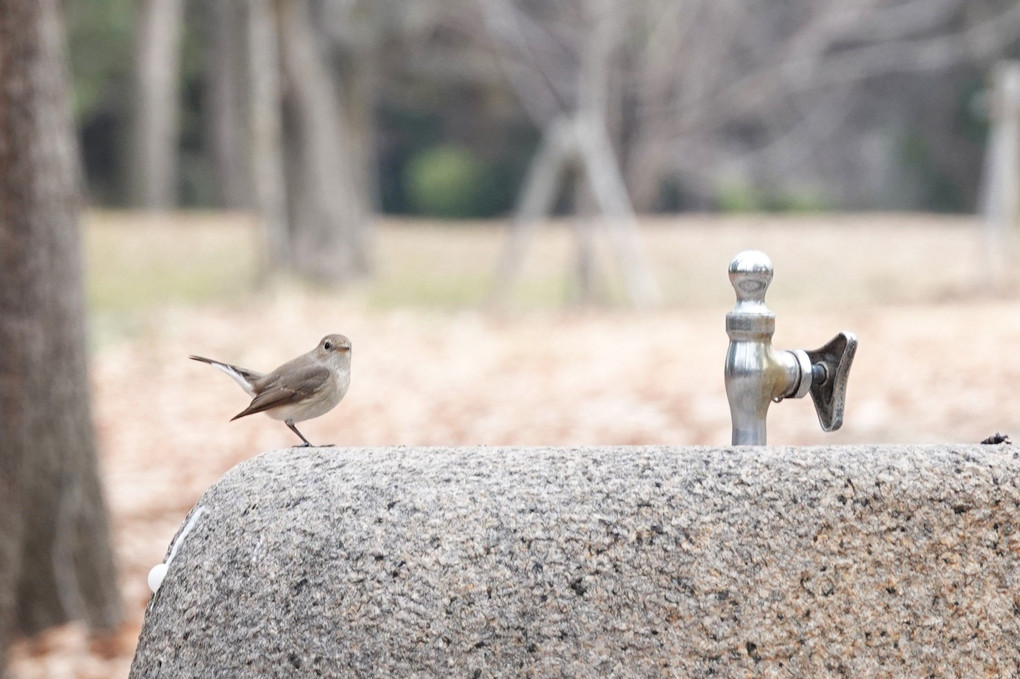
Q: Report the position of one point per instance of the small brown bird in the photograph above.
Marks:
(308, 386)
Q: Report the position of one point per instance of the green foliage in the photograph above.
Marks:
(943, 158)
(407, 131)
(972, 110)
(735, 197)
(414, 137)
(939, 193)
(446, 181)
(99, 34)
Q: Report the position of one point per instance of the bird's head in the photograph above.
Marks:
(335, 349)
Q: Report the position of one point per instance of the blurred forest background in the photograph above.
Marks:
(726, 105)
(258, 173)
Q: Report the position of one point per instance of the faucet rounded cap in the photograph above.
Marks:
(750, 275)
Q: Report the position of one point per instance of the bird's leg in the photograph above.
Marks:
(290, 423)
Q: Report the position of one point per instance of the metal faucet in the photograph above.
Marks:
(757, 375)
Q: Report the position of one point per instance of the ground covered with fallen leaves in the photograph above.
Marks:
(937, 362)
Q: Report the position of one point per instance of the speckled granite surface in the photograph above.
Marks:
(598, 562)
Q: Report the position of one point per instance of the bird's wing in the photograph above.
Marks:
(283, 387)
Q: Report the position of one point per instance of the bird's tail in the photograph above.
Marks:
(244, 377)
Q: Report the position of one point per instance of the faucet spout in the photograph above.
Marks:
(757, 375)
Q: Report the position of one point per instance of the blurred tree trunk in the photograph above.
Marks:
(227, 61)
(328, 214)
(1000, 200)
(265, 143)
(360, 95)
(55, 558)
(157, 64)
(581, 138)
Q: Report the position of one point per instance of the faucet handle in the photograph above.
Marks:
(750, 275)
(830, 367)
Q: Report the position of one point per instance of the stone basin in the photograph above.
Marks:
(598, 562)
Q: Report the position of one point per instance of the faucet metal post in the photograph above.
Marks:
(757, 375)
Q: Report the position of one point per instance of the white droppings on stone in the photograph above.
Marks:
(156, 576)
(159, 571)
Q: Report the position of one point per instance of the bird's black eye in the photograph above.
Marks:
(327, 345)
